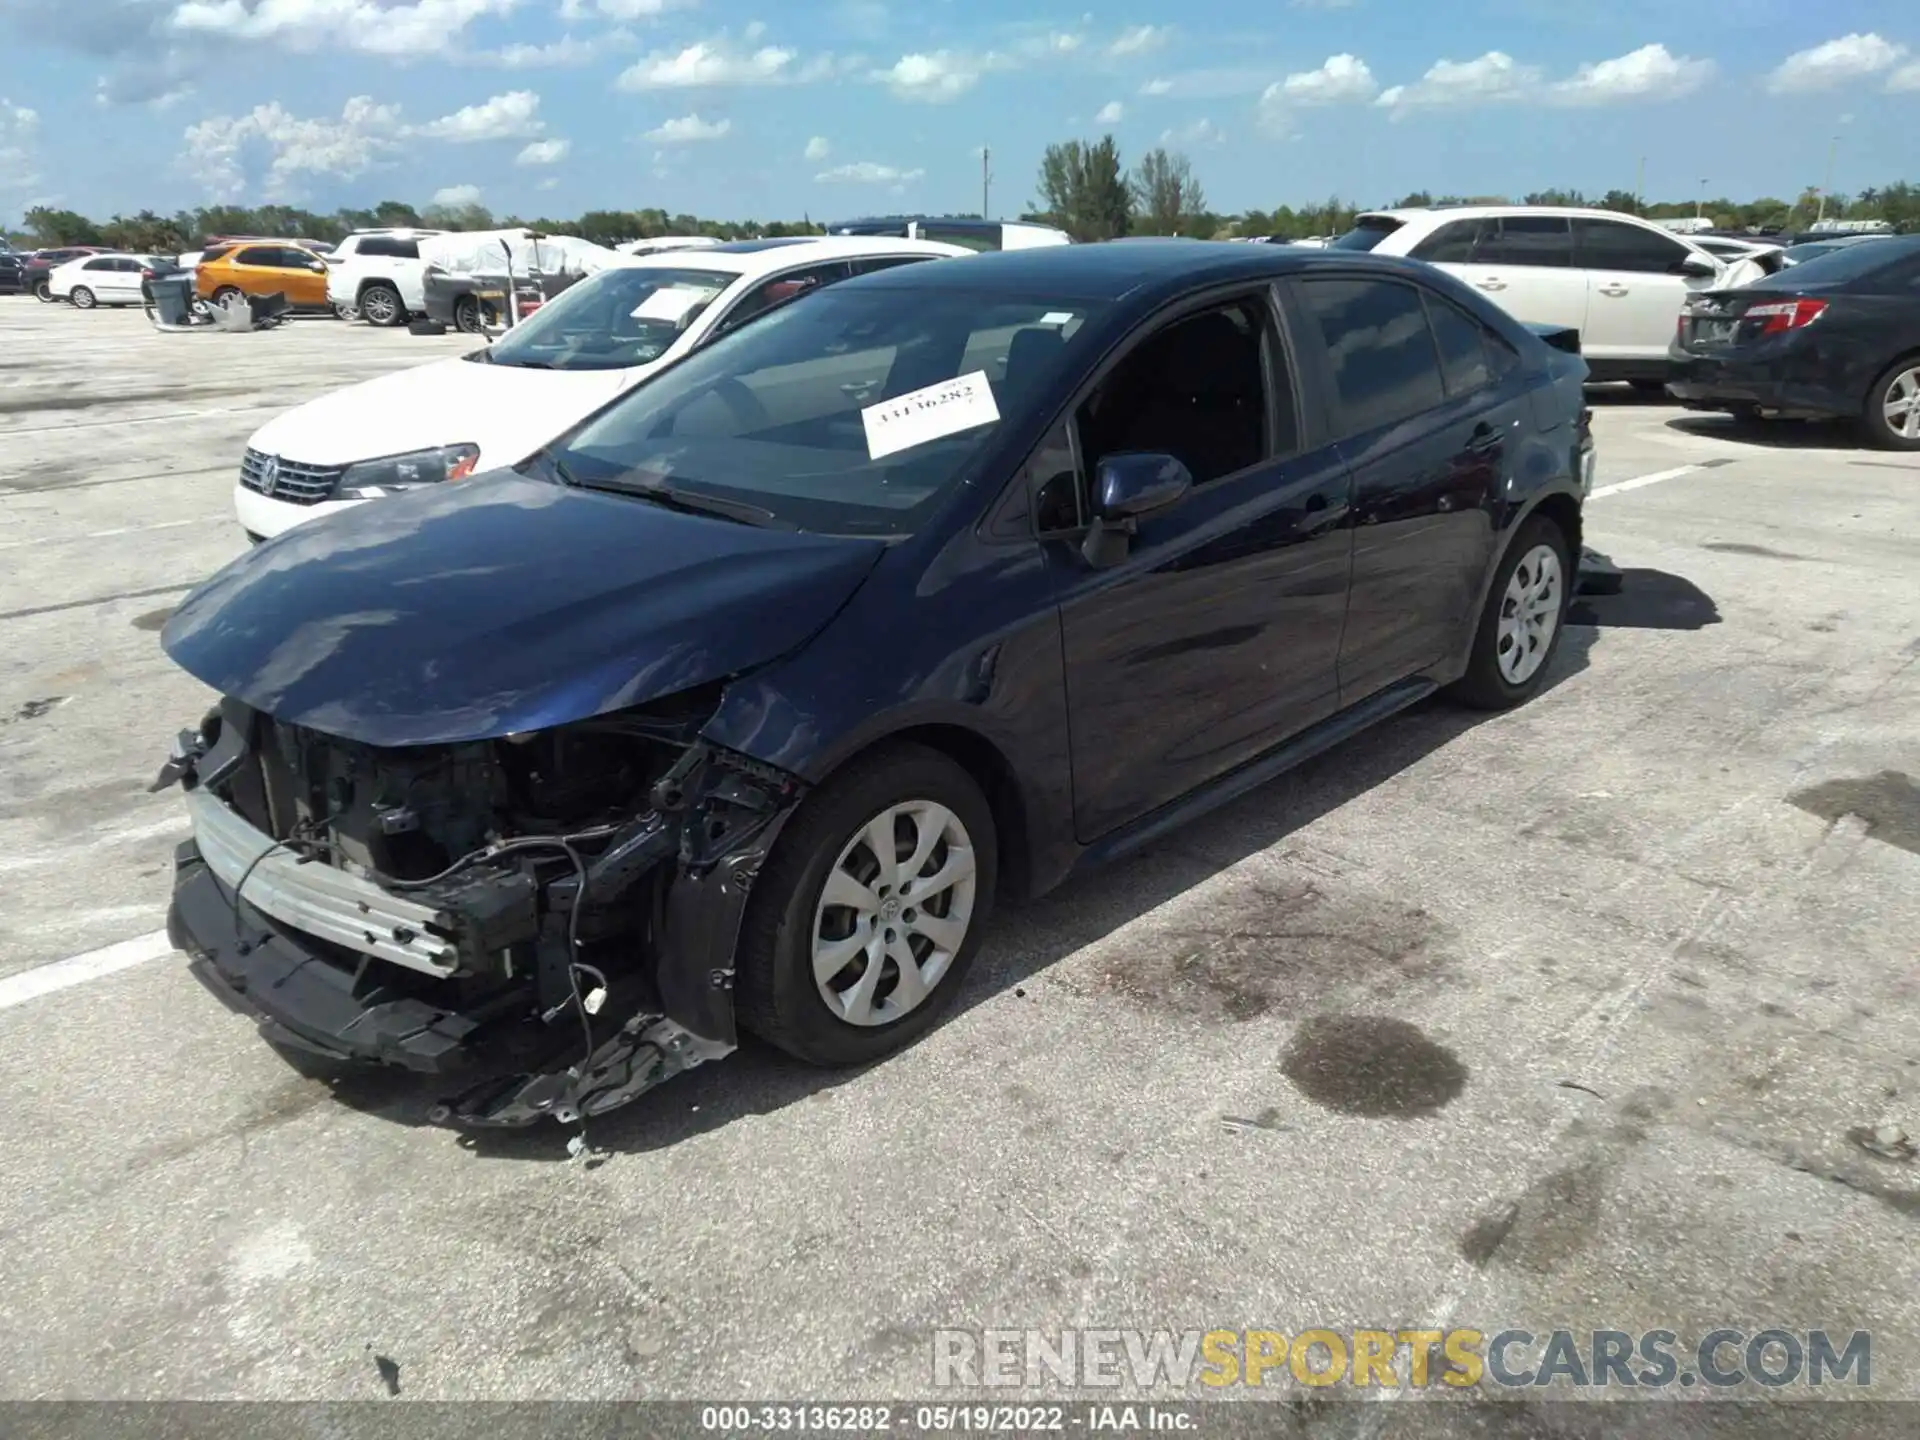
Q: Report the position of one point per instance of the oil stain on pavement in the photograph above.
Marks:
(1372, 1066)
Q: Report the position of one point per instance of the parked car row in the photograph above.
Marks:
(807, 599)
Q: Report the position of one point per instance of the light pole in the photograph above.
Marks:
(1700, 205)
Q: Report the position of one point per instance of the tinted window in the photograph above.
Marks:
(1525, 240)
(295, 259)
(1462, 342)
(1840, 264)
(775, 414)
(1610, 245)
(1451, 243)
(258, 255)
(885, 262)
(99, 265)
(1381, 349)
(974, 237)
(388, 248)
(1195, 391)
(1367, 232)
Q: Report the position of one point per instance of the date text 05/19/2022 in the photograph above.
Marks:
(947, 1419)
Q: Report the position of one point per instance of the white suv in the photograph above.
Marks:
(1619, 280)
(379, 275)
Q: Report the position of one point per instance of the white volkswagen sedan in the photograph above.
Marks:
(498, 405)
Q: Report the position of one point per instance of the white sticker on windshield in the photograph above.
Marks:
(930, 414)
(1056, 317)
(669, 303)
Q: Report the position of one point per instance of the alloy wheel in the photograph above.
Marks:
(379, 306)
(893, 913)
(1529, 614)
(1901, 404)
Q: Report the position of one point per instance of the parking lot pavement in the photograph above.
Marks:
(1571, 1016)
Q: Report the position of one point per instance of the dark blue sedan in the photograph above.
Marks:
(742, 702)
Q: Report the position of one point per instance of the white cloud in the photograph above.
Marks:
(1836, 63)
(1907, 77)
(19, 147)
(564, 51)
(818, 148)
(1157, 87)
(1200, 132)
(1343, 79)
(866, 172)
(1649, 73)
(1111, 113)
(343, 149)
(1495, 76)
(688, 130)
(1215, 84)
(552, 182)
(512, 116)
(1053, 42)
(457, 195)
(620, 9)
(544, 152)
(708, 62)
(1140, 39)
(935, 78)
(421, 27)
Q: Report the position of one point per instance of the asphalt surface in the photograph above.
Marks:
(1571, 1016)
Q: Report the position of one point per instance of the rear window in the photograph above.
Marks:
(1845, 263)
(1368, 231)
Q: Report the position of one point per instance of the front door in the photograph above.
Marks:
(1216, 637)
(1429, 406)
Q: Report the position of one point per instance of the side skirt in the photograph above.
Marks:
(1310, 742)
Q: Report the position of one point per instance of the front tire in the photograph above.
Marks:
(1892, 416)
(381, 305)
(43, 292)
(849, 953)
(1525, 614)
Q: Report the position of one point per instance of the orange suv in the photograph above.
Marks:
(263, 267)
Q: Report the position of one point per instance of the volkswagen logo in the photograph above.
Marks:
(269, 474)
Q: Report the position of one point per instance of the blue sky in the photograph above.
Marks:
(747, 108)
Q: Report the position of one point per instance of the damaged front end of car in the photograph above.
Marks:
(546, 920)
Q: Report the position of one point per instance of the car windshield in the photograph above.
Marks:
(1367, 232)
(612, 321)
(851, 412)
(1836, 264)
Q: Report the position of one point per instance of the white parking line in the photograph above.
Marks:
(109, 534)
(1640, 480)
(79, 969)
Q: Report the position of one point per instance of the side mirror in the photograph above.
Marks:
(1125, 488)
(318, 267)
(1698, 267)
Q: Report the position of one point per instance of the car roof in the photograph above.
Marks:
(1111, 272)
(752, 257)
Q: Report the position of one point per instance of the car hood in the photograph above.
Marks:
(502, 604)
(508, 411)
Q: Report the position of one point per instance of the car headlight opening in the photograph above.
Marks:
(371, 479)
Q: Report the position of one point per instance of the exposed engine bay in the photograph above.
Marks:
(550, 916)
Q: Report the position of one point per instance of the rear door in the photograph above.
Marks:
(1428, 402)
(1635, 288)
(1524, 264)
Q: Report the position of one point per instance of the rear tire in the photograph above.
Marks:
(1892, 415)
(1653, 389)
(82, 298)
(1525, 614)
(876, 918)
(43, 292)
(467, 318)
(380, 304)
(226, 294)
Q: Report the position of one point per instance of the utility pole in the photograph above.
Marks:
(1833, 147)
(986, 183)
(1700, 205)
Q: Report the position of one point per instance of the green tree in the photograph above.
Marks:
(1623, 201)
(1167, 199)
(1084, 190)
(51, 227)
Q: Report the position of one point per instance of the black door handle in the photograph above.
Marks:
(1484, 439)
(1323, 514)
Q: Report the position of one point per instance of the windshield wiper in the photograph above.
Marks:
(525, 364)
(693, 502)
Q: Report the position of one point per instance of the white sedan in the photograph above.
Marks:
(498, 405)
(105, 279)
